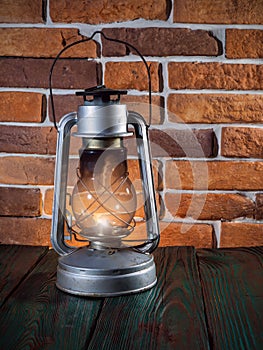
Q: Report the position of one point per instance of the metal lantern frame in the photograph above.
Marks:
(103, 271)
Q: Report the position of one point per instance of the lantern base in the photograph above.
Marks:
(105, 273)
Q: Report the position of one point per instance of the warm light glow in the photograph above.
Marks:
(104, 199)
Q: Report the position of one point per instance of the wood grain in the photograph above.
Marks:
(169, 316)
(15, 263)
(212, 299)
(38, 316)
(232, 283)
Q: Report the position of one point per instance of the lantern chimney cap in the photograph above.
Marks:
(101, 93)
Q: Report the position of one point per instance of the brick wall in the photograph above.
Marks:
(207, 134)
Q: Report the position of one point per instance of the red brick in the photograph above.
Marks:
(25, 231)
(241, 234)
(183, 143)
(48, 201)
(214, 75)
(209, 206)
(140, 104)
(224, 11)
(22, 107)
(44, 42)
(242, 142)
(20, 11)
(132, 75)
(64, 104)
(107, 11)
(26, 170)
(178, 234)
(161, 42)
(245, 43)
(23, 139)
(214, 175)
(34, 72)
(134, 174)
(29, 203)
(215, 108)
(259, 206)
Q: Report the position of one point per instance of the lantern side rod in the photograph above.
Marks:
(109, 39)
(61, 173)
(143, 148)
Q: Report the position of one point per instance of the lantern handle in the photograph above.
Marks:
(109, 39)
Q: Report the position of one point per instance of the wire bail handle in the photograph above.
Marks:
(108, 39)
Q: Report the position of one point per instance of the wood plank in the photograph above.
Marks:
(15, 263)
(232, 282)
(38, 316)
(169, 316)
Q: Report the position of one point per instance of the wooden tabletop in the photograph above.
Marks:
(204, 299)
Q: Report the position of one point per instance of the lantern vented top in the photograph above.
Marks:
(101, 95)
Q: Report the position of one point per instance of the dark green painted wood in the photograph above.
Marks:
(232, 282)
(169, 316)
(38, 316)
(15, 263)
(35, 315)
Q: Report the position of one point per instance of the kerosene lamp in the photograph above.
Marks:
(100, 206)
